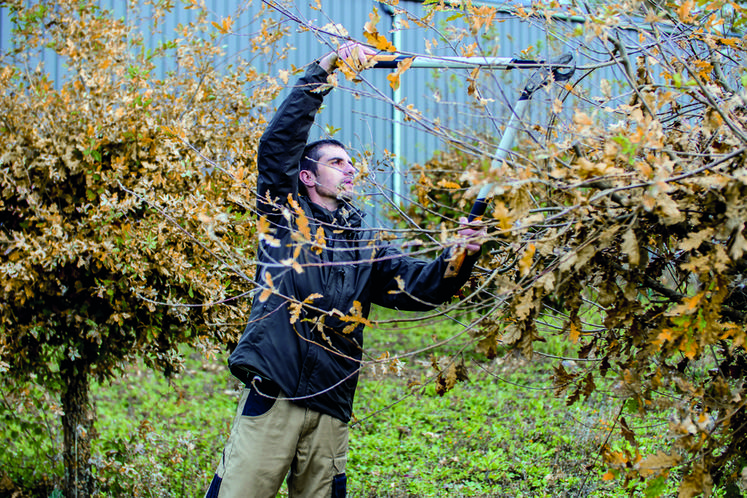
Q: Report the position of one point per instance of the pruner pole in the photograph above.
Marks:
(546, 71)
(556, 70)
(390, 61)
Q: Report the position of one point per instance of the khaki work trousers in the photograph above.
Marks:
(271, 439)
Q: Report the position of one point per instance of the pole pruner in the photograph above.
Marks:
(555, 70)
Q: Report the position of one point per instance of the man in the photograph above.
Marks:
(301, 351)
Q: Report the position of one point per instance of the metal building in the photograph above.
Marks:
(367, 121)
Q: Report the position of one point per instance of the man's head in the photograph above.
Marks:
(326, 173)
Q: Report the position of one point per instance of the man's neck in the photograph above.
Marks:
(326, 202)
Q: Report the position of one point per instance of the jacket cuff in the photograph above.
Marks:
(315, 78)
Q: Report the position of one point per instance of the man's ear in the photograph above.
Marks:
(307, 178)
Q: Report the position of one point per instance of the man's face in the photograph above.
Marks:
(335, 173)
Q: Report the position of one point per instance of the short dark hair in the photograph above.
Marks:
(312, 153)
(310, 157)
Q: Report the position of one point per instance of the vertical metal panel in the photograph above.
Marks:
(5, 29)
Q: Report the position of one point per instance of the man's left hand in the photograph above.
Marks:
(353, 49)
(471, 236)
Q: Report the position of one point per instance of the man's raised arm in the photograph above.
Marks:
(283, 141)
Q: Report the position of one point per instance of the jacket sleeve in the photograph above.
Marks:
(406, 283)
(283, 141)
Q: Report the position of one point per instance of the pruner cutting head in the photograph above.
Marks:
(559, 69)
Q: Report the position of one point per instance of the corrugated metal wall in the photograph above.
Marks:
(367, 123)
(5, 27)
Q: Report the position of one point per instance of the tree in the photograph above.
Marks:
(619, 223)
(124, 225)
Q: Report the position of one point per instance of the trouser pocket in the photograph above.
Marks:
(339, 464)
(214, 488)
(339, 486)
(262, 396)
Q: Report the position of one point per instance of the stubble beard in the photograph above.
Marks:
(346, 192)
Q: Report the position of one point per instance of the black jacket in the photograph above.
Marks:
(314, 354)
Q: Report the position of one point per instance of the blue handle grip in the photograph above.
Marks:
(478, 209)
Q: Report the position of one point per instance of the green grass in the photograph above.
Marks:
(501, 433)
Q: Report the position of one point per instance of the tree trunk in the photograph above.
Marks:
(77, 424)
